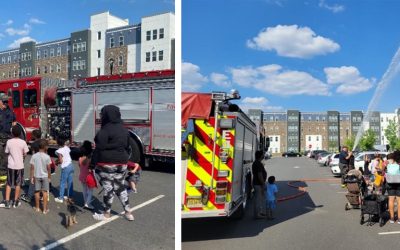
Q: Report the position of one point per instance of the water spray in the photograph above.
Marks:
(387, 78)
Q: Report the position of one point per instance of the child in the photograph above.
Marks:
(40, 175)
(16, 149)
(134, 171)
(272, 190)
(67, 170)
(36, 135)
(84, 163)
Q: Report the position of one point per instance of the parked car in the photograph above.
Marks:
(314, 153)
(291, 154)
(323, 158)
(267, 155)
(359, 158)
(334, 165)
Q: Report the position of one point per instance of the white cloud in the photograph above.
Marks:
(258, 103)
(255, 100)
(36, 21)
(274, 80)
(349, 79)
(21, 32)
(192, 79)
(17, 42)
(9, 22)
(292, 41)
(220, 79)
(335, 8)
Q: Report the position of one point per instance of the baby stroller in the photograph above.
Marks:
(355, 189)
(374, 205)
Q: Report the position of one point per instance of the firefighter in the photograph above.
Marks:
(7, 120)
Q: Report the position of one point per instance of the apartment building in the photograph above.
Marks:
(299, 131)
(109, 45)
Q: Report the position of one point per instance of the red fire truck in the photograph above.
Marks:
(70, 109)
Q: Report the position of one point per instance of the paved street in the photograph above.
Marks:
(153, 227)
(316, 220)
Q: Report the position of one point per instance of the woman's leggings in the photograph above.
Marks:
(112, 178)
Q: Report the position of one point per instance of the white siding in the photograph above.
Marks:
(101, 22)
(385, 118)
(314, 140)
(165, 21)
(133, 62)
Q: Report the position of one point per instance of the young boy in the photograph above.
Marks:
(272, 190)
(36, 135)
(16, 149)
(134, 171)
(40, 175)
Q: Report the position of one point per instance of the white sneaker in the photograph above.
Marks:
(58, 200)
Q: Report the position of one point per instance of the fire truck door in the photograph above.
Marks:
(238, 162)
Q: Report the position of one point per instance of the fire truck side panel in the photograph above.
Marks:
(238, 162)
(163, 120)
(83, 116)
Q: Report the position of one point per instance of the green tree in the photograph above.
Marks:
(391, 135)
(367, 142)
(349, 142)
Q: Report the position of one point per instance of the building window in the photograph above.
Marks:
(147, 56)
(38, 70)
(51, 52)
(111, 42)
(121, 41)
(45, 69)
(58, 68)
(15, 73)
(99, 35)
(309, 138)
(79, 47)
(51, 68)
(3, 60)
(98, 71)
(9, 59)
(38, 54)
(120, 60)
(161, 36)
(160, 55)
(154, 56)
(59, 51)
(276, 138)
(45, 53)
(154, 34)
(98, 53)
(317, 138)
(148, 35)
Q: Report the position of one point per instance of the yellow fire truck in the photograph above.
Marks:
(221, 142)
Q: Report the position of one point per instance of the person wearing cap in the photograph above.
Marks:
(7, 116)
(7, 120)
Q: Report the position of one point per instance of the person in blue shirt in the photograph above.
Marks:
(271, 191)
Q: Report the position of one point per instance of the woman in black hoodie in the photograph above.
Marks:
(110, 158)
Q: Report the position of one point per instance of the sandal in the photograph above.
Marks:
(46, 211)
(36, 209)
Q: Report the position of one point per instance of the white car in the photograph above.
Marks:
(359, 158)
(334, 165)
(323, 159)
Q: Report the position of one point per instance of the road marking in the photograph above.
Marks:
(386, 233)
(296, 167)
(98, 224)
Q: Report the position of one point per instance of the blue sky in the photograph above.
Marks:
(311, 55)
(21, 20)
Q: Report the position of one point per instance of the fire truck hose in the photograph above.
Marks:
(302, 190)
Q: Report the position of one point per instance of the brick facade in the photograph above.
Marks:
(115, 53)
(52, 64)
(9, 71)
